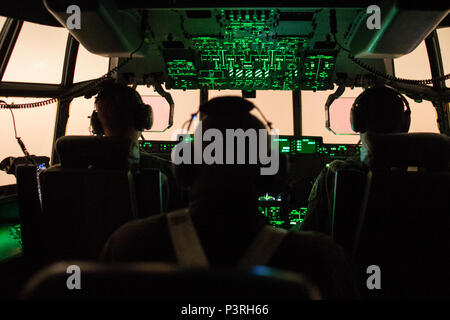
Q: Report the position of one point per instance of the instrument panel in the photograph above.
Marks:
(286, 208)
(290, 145)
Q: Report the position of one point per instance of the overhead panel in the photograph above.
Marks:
(248, 50)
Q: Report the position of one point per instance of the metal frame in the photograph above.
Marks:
(62, 111)
(437, 70)
(297, 112)
(204, 95)
(8, 37)
(23, 89)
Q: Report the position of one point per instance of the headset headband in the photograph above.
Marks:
(143, 113)
(359, 113)
(218, 109)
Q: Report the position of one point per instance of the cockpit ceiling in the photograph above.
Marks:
(245, 48)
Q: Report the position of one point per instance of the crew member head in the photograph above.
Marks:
(229, 151)
(380, 110)
(119, 111)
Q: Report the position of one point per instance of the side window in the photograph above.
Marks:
(2, 22)
(444, 43)
(35, 127)
(38, 58)
(186, 103)
(423, 115)
(38, 55)
(313, 115)
(89, 66)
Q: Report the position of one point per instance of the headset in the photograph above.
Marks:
(359, 113)
(143, 113)
(186, 173)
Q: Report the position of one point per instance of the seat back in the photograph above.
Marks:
(151, 192)
(403, 217)
(406, 232)
(164, 282)
(87, 197)
(348, 192)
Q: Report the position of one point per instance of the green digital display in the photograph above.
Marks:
(156, 146)
(293, 146)
(268, 197)
(248, 55)
(287, 144)
(278, 219)
(297, 216)
(10, 240)
(273, 214)
(280, 213)
(340, 150)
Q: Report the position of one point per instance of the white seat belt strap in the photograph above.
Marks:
(188, 249)
(263, 247)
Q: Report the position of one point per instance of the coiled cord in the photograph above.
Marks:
(392, 78)
(388, 77)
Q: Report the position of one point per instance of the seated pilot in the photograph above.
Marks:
(222, 227)
(119, 111)
(377, 110)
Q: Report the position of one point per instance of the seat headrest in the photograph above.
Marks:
(399, 150)
(97, 152)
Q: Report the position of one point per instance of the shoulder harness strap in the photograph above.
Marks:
(190, 253)
(188, 249)
(263, 247)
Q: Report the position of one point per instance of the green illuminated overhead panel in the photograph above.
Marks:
(250, 55)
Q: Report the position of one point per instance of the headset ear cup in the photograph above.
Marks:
(144, 117)
(358, 118)
(149, 117)
(96, 125)
(352, 119)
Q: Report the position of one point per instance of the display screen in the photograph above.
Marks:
(298, 145)
(280, 212)
(293, 146)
